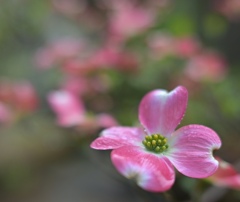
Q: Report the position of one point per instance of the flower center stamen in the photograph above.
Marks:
(156, 143)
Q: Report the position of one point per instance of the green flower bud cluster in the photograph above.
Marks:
(156, 143)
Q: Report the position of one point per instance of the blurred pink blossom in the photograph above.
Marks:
(105, 120)
(25, 96)
(6, 91)
(186, 47)
(206, 66)
(68, 108)
(161, 45)
(70, 111)
(57, 52)
(229, 8)
(149, 155)
(86, 85)
(20, 96)
(104, 58)
(76, 85)
(226, 176)
(5, 114)
(109, 56)
(79, 67)
(128, 19)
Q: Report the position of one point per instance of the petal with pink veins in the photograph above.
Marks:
(151, 172)
(161, 112)
(116, 137)
(191, 150)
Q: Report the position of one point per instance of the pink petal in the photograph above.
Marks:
(151, 172)
(69, 110)
(191, 150)
(225, 176)
(161, 112)
(116, 137)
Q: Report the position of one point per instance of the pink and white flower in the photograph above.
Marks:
(149, 155)
(225, 176)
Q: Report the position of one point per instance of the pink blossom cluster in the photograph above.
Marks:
(82, 78)
(84, 71)
(84, 64)
(122, 20)
(163, 44)
(70, 111)
(201, 64)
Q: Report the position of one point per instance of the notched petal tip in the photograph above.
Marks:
(192, 148)
(161, 111)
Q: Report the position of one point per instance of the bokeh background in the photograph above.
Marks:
(70, 68)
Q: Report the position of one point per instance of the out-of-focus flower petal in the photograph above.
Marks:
(70, 111)
(151, 172)
(76, 85)
(58, 51)
(208, 66)
(25, 96)
(5, 114)
(116, 137)
(191, 150)
(187, 47)
(127, 20)
(105, 121)
(225, 176)
(161, 112)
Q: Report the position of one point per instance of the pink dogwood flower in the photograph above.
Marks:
(149, 154)
(225, 176)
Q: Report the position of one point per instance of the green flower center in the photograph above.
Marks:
(156, 143)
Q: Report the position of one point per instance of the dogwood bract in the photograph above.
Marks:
(225, 176)
(149, 154)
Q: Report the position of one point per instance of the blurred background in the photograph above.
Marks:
(70, 68)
